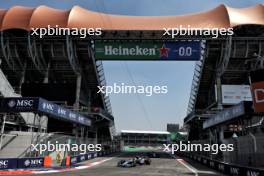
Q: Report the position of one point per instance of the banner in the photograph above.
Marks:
(19, 104)
(148, 50)
(234, 94)
(258, 96)
(74, 160)
(62, 113)
(30, 162)
(40, 105)
(82, 158)
(8, 163)
(225, 115)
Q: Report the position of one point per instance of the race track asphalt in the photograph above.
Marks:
(164, 166)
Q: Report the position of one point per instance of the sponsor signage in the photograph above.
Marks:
(235, 170)
(182, 50)
(74, 160)
(19, 104)
(40, 105)
(258, 96)
(30, 162)
(61, 112)
(8, 163)
(88, 156)
(234, 94)
(81, 158)
(225, 115)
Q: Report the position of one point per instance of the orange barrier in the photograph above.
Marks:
(47, 161)
(68, 160)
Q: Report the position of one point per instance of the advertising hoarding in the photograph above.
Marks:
(40, 105)
(8, 163)
(30, 162)
(61, 112)
(258, 96)
(148, 50)
(19, 104)
(225, 115)
(234, 94)
(257, 89)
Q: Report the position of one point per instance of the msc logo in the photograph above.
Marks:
(74, 160)
(32, 162)
(234, 171)
(48, 106)
(27, 163)
(3, 163)
(82, 158)
(25, 103)
(259, 95)
(11, 103)
(221, 167)
(20, 103)
(253, 173)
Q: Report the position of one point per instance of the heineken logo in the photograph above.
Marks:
(147, 50)
(134, 51)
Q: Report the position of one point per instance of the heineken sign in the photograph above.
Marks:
(148, 50)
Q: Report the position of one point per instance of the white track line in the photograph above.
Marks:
(188, 166)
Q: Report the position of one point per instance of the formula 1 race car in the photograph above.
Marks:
(127, 163)
(143, 160)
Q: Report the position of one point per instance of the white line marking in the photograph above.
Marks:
(192, 169)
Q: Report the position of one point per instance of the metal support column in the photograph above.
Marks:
(219, 92)
(78, 91)
(22, 79)
(46, 78)
(2, 130)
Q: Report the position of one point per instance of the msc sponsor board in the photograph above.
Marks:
(227, 114)
(18, 104)
(148, 50)
(40, 105)
(61, 112)
(8, 163)
(30, 162)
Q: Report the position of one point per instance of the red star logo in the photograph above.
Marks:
(164, 51)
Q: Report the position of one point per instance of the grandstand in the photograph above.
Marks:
(136, 138)
(220, 107)
(59, 69)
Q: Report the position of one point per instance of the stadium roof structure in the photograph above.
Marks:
(144, 132)
(18, 17)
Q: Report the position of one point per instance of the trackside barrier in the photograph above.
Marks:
(22, 163)
(19, 163)
(226, 168)
(8, 163)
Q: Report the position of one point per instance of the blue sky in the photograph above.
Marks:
(158, 109)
